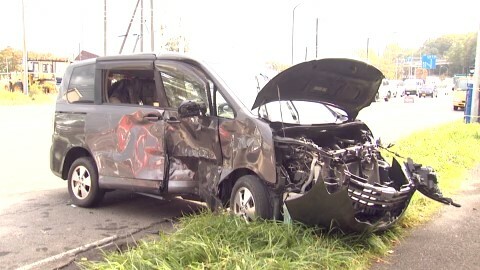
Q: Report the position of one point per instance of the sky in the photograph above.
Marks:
(238, 30)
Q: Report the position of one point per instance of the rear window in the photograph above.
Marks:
(82, 82)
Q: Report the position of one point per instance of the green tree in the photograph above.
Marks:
(390, 61)
(462, 53)
(457, 49)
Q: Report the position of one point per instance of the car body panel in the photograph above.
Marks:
(320, 172)
(459, 96)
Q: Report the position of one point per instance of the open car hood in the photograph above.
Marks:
(348, 84)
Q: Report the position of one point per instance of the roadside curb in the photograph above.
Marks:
(65, 259)
(62, 256)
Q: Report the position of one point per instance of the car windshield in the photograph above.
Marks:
(411, 83)
(246, 85)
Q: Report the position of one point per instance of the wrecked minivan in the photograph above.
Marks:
(168, 124)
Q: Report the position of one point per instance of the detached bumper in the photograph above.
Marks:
(360, 206)
(342, 209)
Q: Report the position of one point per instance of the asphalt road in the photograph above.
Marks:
(37, 219)
(450, 241)
(396, 119)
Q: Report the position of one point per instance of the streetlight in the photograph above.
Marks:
(293, 25)
(25, 57)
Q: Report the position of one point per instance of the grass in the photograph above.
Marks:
(18, 98)
(221, 241)
(452, 150)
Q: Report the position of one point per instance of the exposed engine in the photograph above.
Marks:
(344, 163)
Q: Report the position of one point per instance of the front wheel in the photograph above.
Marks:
(83, 183)
(249, 199)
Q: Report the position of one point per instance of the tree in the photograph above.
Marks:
(174, 44)
(277, 66)
(457, 49)
(390, 62)
(462, 53)
(11, 57)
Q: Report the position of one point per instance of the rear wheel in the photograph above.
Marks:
(249, 199)
(83, 183)
(455, 108)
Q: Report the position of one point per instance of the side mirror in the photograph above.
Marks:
(189, 108)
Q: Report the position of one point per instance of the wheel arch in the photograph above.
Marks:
(73, 154)
(225, 186)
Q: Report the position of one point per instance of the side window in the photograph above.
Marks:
(81, 86)
(223, 108)
(182, 82)
(128, 86)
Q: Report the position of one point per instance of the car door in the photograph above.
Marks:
(192, 143)
(127, 133)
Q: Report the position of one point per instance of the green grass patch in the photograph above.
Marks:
(452, 150)
(221, 241)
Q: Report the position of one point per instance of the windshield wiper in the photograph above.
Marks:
(338, 116)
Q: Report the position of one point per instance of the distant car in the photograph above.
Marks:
(446, 86)
(384, 92)
(412, 86)
(396, 86)
(460, 93)
(428, 90)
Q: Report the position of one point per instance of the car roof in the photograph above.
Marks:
(146, 56)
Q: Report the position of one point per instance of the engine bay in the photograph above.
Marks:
(343, 158)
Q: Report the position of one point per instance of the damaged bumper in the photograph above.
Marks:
(359, 205)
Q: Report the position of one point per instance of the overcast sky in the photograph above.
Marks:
(260, 30)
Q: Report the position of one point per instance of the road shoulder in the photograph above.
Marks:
(449, 241)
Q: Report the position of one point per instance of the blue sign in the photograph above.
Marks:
(429, 61)
(468, 103)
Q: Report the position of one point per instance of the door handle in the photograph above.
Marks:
(172, 120)
(153, 117)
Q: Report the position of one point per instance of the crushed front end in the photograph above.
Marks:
(344, 182)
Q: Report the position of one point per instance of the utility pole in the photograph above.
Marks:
(293, 25)
(152, 42)
(316, 41)
(128, 28)
(141, 26)
(476, 83)
(104, 27)
(25, 55)
(368, 43)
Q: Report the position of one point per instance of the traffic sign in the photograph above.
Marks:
(429, 61)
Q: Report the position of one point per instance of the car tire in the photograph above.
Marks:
(83, 183)
(455, 108)
(250, 199)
